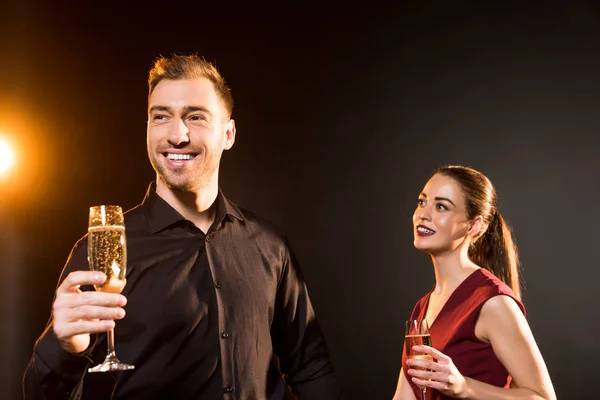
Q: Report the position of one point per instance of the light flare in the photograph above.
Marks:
(7, 156)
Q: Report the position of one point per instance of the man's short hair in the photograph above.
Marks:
(180, 67)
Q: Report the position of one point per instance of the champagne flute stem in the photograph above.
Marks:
(423, 393)
(111, 345)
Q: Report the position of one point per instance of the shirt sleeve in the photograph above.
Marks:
(298, 341)
(53, 373)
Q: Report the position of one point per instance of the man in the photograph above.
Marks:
(216, 304)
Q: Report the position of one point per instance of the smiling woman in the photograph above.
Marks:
(481, 344)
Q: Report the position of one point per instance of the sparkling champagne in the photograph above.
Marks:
(417, 333)
(416, 340)
(107, 253)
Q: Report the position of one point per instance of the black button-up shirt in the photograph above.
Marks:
(224, 315)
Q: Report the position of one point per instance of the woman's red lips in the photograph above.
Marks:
(422, 230)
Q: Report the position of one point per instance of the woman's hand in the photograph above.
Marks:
(441, 375)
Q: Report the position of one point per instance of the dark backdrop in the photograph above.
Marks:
(342, 114)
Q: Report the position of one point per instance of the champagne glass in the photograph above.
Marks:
(417, 333)
(107, 252)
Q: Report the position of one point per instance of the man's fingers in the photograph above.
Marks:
(77, 314)
(78, 278)
(70, 307)
(93, 312)
(81, 327)
(96, 299)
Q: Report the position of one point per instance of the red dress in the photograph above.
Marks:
(453, 331)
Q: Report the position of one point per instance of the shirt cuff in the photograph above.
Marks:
(67, 365)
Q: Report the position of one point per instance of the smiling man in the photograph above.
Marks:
(216, 304)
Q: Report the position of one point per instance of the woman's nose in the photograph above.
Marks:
(423, 213)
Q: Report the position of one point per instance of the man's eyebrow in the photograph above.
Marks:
(184, 112)
(161, 108)
(191, 109)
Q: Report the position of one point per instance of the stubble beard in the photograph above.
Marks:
(188, 180)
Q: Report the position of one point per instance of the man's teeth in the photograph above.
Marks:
(422, 229)
(179, 156)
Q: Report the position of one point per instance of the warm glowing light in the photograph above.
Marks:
(7, 156)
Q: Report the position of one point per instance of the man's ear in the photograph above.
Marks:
(229, 134)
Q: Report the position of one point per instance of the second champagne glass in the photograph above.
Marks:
(107, 252)
(417, 333)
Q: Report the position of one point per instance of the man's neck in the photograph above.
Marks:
(198, 207)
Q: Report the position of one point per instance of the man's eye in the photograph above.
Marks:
(198, 118)
(159, 117)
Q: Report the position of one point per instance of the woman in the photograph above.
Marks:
(484, 348)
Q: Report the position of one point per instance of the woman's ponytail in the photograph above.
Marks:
(496, 251)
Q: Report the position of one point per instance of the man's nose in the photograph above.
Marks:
(180, 134)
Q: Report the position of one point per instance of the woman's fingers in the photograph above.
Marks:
(430, 384)
(440, 374)
(443, 377)
(435, 353)
(427, 365)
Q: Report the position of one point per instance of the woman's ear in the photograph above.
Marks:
(475, 226)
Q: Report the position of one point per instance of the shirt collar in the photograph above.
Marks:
(161, 215)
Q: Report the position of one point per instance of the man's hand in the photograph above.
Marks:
(77, 313)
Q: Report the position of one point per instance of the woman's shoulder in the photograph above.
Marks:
(500, 297)
(493, 283)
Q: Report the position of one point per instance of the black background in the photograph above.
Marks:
(342, 114)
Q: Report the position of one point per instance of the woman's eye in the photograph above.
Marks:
(421, 202)
(441, 207)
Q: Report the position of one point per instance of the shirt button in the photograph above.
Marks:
(208, 238)
(228, 389)
(225, 335)
(217, 285)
